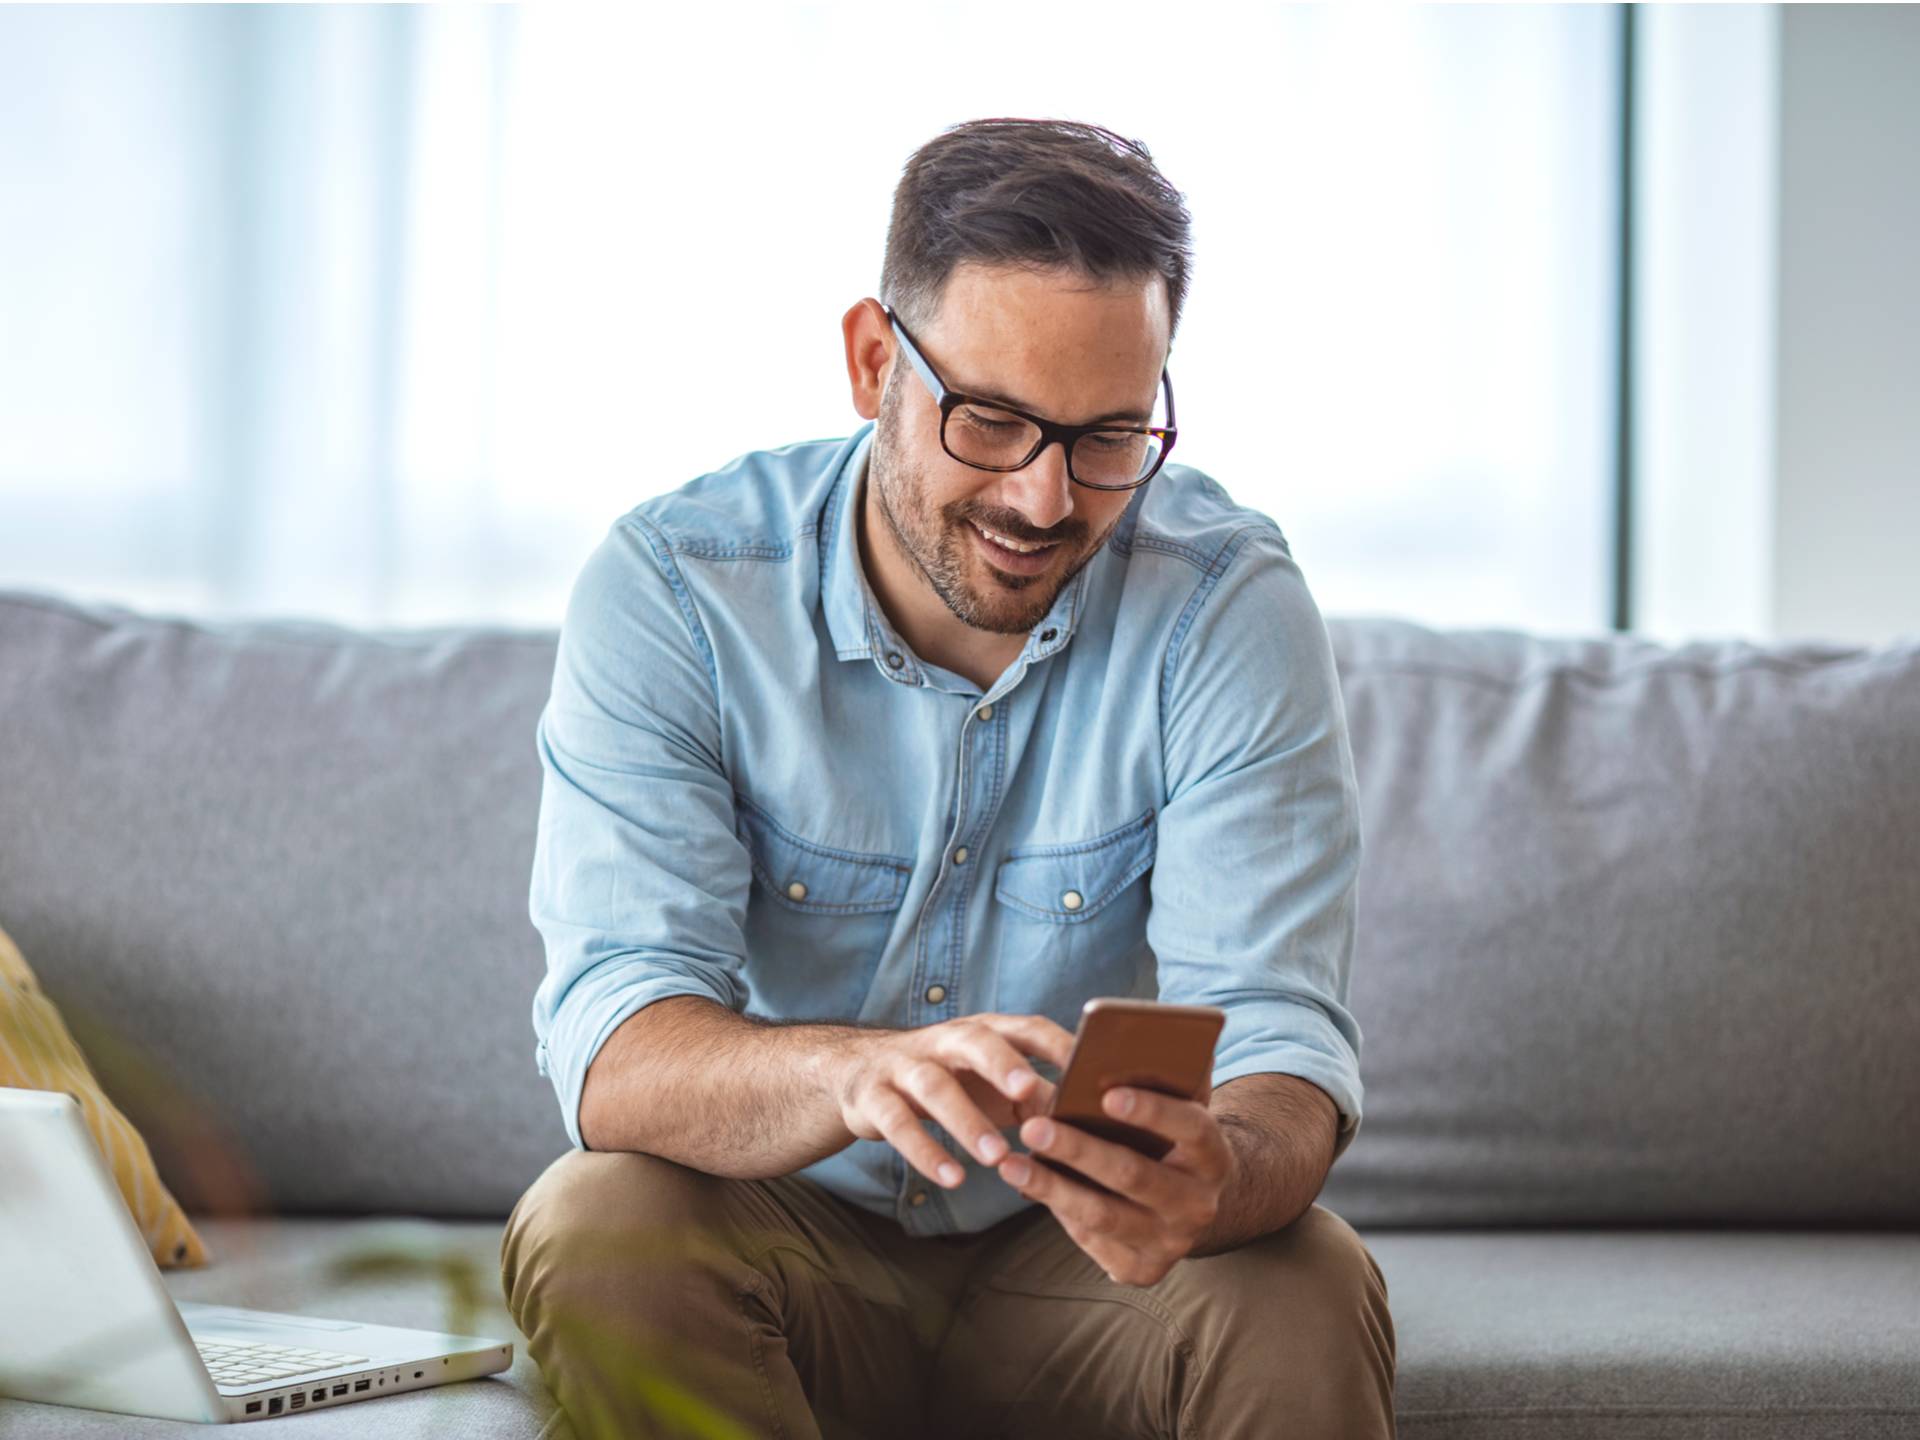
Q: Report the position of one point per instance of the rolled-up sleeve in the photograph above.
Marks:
(640, 881)
(1258, 855)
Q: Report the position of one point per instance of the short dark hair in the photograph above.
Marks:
(1033, 193)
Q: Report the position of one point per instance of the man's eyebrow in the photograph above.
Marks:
(1131, 416)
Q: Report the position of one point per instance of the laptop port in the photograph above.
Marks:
(253, 1407)
(321, 1393)
(340, 1389)
(273, 1406)
(418, 1373)
(296, 1400)
(360, 1385)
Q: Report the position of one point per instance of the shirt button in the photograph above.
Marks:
(797, 891)
(1046, 635)
(984, 713)
(919, 1197)
(936, 993)
(1071, 900)
(893, 659)
(960, 856)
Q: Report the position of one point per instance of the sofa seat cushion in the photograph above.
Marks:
(1654, 1334)
(289, 1265)
(1501, 1334)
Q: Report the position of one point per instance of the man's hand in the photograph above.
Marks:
(1159, 1208)
(969, 1075)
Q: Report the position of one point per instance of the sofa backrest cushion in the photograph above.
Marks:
(1639, 930)
(1639, 934)
(278, 872)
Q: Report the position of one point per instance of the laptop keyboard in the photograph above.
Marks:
(246, 1362)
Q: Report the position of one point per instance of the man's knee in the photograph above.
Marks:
(595, 1215)
(1312, 1293)
(625, 1272)
(1326, 1252)
(1328, 1269)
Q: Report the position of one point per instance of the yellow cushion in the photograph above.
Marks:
(37, 1052)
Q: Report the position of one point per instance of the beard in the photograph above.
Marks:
(938, 545)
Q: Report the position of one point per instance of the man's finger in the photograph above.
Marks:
(901, 1128)
(1081, 1209)
(1036, 1034)
(986, 1052)
(943, 1098)
(1114, 1232)
(1185, 1122)
(1040, 1102)
(1199, 1149)
(1148, 1183)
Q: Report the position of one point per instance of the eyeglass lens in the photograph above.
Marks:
(980, 435)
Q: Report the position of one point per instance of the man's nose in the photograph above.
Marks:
(1041, 490)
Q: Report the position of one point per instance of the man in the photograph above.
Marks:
(869, 761)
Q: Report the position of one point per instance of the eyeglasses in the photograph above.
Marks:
(990, 435)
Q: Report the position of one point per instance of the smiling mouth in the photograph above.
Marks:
(1008, 543)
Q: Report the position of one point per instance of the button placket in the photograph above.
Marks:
(946, 913)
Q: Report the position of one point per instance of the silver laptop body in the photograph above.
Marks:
(85, 1318)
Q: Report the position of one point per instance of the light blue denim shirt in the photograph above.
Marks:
(754, 790)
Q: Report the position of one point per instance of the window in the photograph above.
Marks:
(365, 313)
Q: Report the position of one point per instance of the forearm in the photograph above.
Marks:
(1281, 1130)
(689, 1080)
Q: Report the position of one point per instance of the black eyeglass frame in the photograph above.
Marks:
(1050, 430)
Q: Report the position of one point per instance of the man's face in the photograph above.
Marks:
(1054, 344)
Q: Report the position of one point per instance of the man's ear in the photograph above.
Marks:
(870, 354)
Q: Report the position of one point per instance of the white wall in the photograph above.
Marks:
(1706, 159)
(1778, 318)
(1846, 561)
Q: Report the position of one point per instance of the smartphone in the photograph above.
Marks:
(1145, 1044)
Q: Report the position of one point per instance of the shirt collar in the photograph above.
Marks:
(855, 621)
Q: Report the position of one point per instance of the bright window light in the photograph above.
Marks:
(382, 314)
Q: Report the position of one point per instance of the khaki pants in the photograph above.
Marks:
(658, 1300)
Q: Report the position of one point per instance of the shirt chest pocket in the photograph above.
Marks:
(818, 919)
(1073, 922)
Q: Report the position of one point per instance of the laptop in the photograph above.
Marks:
(86, 1320)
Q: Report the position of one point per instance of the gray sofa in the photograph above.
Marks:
(1638, 974)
